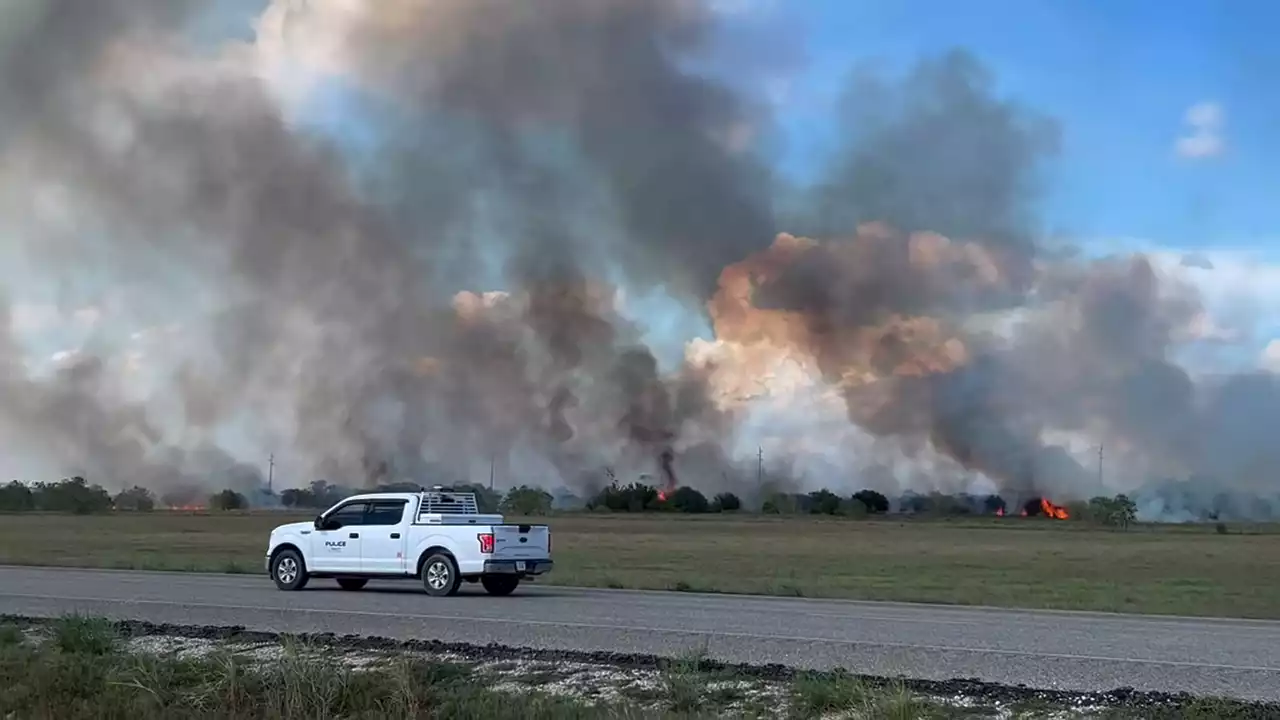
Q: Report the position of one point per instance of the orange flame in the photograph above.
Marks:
(1053, 511)
(662, 496)
(1000, 512)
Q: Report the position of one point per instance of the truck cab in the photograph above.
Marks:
(438, 537)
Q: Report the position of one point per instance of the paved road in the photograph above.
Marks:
(1071, 651)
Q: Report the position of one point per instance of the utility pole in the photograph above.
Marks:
(271, 474)
(1100, 446)
(491, 458)
(760, 468)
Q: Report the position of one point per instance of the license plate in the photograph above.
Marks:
(520, 566)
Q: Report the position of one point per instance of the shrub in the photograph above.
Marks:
(726, 502)
(636, 497)
(228, 500)
(824, 502)
(993, 504)
(74, 495)
(853, 508)
(137, 499)
(875, 503)
(1116, 511)
(16, 497)
(785, 504)
(320, 494)
(688, 500)
(487, 501)
(525, 500)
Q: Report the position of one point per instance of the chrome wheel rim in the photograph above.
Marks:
(287, 570)
(437, 575)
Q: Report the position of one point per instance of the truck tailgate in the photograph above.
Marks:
(521, 541)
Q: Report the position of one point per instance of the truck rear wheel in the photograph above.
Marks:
(500, 584)
(352, 583)
(440, 575)
(288, 570)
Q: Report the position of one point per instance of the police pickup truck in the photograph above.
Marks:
(438, 537)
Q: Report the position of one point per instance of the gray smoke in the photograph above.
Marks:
(329, 288)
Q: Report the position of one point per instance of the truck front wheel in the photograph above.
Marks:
(440, 575)
(288, 570)
(500, 584)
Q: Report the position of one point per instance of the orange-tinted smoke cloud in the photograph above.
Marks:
(858, 335)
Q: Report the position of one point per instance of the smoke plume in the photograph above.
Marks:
(405, 240)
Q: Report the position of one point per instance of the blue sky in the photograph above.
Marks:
(1120, 75)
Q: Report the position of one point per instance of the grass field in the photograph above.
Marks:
(1013, 562)
(82, 667)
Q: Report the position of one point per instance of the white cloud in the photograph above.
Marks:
(1270, 359)
(1203, 137)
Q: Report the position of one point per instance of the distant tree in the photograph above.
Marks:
(228, 500)
(525, 500)
(292, 498)
(136, 499)
(688, 500)
(993, 504)
(781, 503)
(876, 503)
(853, 508)
(824, 502)
(1118, 511)
(487, 500)
(636, 497)
(16, 497)
(726, 502)
(944, 505)
(73, 495)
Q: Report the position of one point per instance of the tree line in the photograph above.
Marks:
(77, 495)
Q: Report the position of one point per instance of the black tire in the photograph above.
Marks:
(289, 571)
(352, 583)
(500, 584)
(440, 575)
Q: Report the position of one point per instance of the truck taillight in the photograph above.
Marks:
(548, 542)
(486, 543)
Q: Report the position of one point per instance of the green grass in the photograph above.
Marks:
(84, 670)
(62, 682)
(1013, 562)
(80, 667)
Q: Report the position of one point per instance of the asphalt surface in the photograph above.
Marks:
(1043, 649)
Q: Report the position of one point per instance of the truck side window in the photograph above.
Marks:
(352, 514)
(385, 512)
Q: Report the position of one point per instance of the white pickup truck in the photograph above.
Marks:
(438, 536)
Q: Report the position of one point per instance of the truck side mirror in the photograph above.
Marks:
(319, 523)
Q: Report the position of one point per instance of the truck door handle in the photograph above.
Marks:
(354, 535)
(395, 536)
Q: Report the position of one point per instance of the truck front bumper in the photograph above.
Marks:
(513, 567)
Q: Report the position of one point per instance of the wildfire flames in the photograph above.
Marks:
(1054, 511)
(1045, 507)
